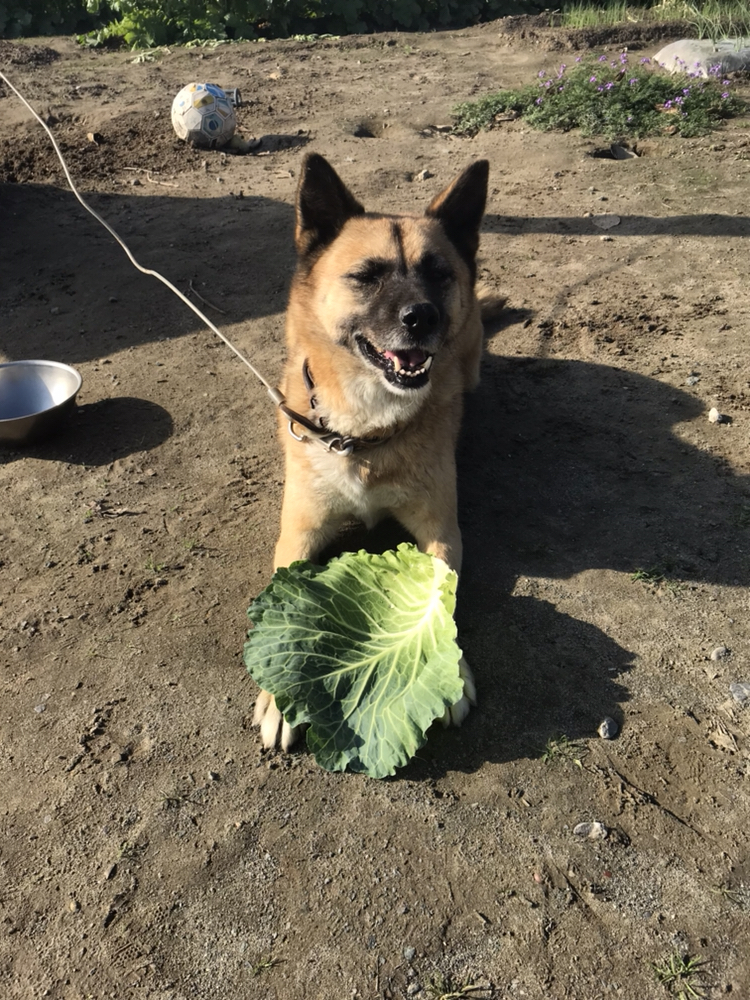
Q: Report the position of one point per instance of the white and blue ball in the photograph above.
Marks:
(203, 114)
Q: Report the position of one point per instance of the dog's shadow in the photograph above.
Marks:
(566, 466)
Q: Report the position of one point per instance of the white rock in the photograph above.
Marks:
(719, 653)
(699, 56)
(592, 831)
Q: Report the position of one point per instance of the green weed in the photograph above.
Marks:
(680, 975)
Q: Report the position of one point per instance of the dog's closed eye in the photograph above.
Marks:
(370, 272)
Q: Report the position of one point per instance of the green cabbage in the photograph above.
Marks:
(363, 650)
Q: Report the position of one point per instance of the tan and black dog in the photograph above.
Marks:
(384, 336)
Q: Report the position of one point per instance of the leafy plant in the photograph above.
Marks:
(363, 649)
(680, 975)
(609, 97)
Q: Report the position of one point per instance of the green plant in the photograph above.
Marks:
(609, 97)
(561, 748)
(263, 965)
(680, 975)
(364, 650)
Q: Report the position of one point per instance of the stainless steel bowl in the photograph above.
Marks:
(35, 399)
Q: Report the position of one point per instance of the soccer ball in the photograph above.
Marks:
(203, 115)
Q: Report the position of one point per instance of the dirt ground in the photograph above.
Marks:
(148, 848)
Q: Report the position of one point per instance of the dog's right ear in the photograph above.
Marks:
(324, 203)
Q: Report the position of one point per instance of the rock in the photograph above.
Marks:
(423, 175)
(592, 831)
(700, 56)
(409, 954)
(740, 691)
(605, 221)
(720, 653)
(714, 417)
(692, 379)
(608, 728)
(607, 239)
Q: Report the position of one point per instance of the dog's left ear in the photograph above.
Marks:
(324, 203)
(460, 208)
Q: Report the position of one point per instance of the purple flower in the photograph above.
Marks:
(600, 89)
(686, 91)
(548, 83)
(725, 95)
(678, 100)
(632, 81)
(623, 57)
(592, 79)
(578, 58)
(562, 69)
(645, 60)
(540, 74)
(538, 100)
(602, 59)
(629, 118)
(667, 104)
(610, 85)
(725, 83)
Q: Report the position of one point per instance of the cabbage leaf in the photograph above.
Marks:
(363, 650)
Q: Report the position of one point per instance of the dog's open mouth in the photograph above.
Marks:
(408, 368)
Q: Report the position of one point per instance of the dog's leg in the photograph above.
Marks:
(305, 532)
(442, 538)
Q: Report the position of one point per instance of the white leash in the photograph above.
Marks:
(275, 394)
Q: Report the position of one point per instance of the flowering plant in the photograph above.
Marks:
(611, 97)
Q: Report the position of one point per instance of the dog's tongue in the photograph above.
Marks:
(406, 359)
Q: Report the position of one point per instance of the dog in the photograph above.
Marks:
(384, 336)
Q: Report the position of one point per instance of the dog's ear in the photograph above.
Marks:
(324, 203)
(460, 208)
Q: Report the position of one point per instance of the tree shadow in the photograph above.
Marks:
(97, 433)
(70, 293)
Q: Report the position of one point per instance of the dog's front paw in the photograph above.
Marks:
(274, 731)
(456, 714)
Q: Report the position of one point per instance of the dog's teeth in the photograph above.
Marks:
(397, 366)
(427, 364)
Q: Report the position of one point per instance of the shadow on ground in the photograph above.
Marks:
(566, 466)
(100, 432)
(70, 293)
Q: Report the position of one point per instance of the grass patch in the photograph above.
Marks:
(656, 577)
(714, 19)
(609, 97)
(681, 976)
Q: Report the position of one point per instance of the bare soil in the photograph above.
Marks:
(148, 848)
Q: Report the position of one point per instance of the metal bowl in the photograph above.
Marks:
(35, 399)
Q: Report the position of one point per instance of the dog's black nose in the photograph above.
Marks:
(420, 318)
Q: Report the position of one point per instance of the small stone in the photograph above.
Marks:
(110, 873)
(692, 380)
(409, 954)
(213, 776)
(608, 728)
(607, 239)
(135, 183)
(74, 906)
(740, 691)
(714, 417)
(592, 831)
(720, 653)
(55, 311)
(423, 175)
(40, 708)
